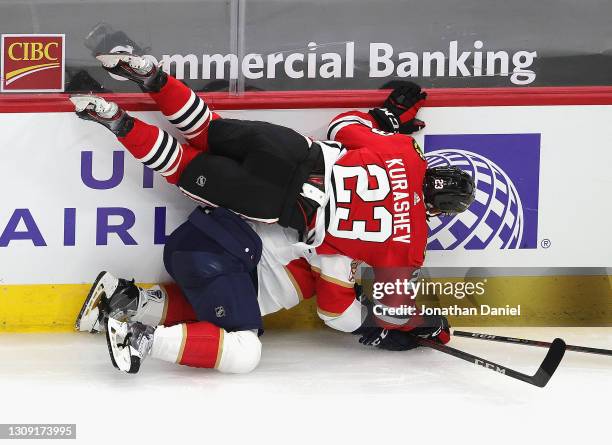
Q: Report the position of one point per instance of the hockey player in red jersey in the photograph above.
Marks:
(360, 200)
(384, 191)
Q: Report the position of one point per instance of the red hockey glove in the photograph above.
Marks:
(400, 109)
(404, 101)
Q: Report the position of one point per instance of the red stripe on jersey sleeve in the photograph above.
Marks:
(333, 298)
(302, 277)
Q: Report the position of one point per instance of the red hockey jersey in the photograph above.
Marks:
(376, 216)
(377, 212)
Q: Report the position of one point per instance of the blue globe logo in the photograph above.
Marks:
(495, 218)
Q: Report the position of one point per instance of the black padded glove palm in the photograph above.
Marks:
(400, 109)
(404, 101)
(390, 340)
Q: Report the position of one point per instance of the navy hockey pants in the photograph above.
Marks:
(213, 258)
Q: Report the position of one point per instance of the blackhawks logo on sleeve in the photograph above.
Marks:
(418, 149)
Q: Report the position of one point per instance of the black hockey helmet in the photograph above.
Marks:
(448, 190)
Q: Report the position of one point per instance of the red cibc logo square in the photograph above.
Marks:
(32, 62)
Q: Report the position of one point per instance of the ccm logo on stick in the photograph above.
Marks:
(32, 62)
(490, 366)
(489, 336)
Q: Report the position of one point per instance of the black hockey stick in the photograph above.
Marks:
(540, 378)
(522, 341)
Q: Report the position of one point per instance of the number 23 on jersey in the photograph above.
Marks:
(371, 200)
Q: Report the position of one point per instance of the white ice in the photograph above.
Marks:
(315, 387)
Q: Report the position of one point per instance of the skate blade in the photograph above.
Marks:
(112, 60)
(87, 320)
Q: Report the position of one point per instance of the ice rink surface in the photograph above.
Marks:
(315, 387)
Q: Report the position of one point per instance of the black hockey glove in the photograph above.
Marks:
(433, 327)
(390, 340)
(400, 109)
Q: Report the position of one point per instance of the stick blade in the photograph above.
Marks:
(550, 364)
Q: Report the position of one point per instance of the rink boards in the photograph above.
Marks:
(74, 203)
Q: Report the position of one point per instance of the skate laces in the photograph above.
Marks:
(139, 339)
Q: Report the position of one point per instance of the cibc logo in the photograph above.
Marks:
(32, 63)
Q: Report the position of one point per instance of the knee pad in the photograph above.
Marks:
(241, 352)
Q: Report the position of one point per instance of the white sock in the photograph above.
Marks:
(168, 343)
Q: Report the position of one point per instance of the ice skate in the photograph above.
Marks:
(128, 344)
(120, 299)
(95, 108)
(148, 76)
(103, 38)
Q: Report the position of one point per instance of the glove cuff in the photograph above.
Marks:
(385, 119)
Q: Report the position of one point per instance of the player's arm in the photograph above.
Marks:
(335, 290)
(393, 316)
(339, 308)
(393, 300)
(337, 304)
(355, 129)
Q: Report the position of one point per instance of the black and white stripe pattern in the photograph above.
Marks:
(165, 155)
(342, 122)
(192, 118)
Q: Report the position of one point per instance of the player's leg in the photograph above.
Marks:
(221, 181)
(200, 255)
(199, 344)
(213, 258)
(212, 179)
(279, 177)
(162, 304)
(271, 152)
(181, 106)
(186, 111)
(284, 169)
(152, 146)
(124, 300)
